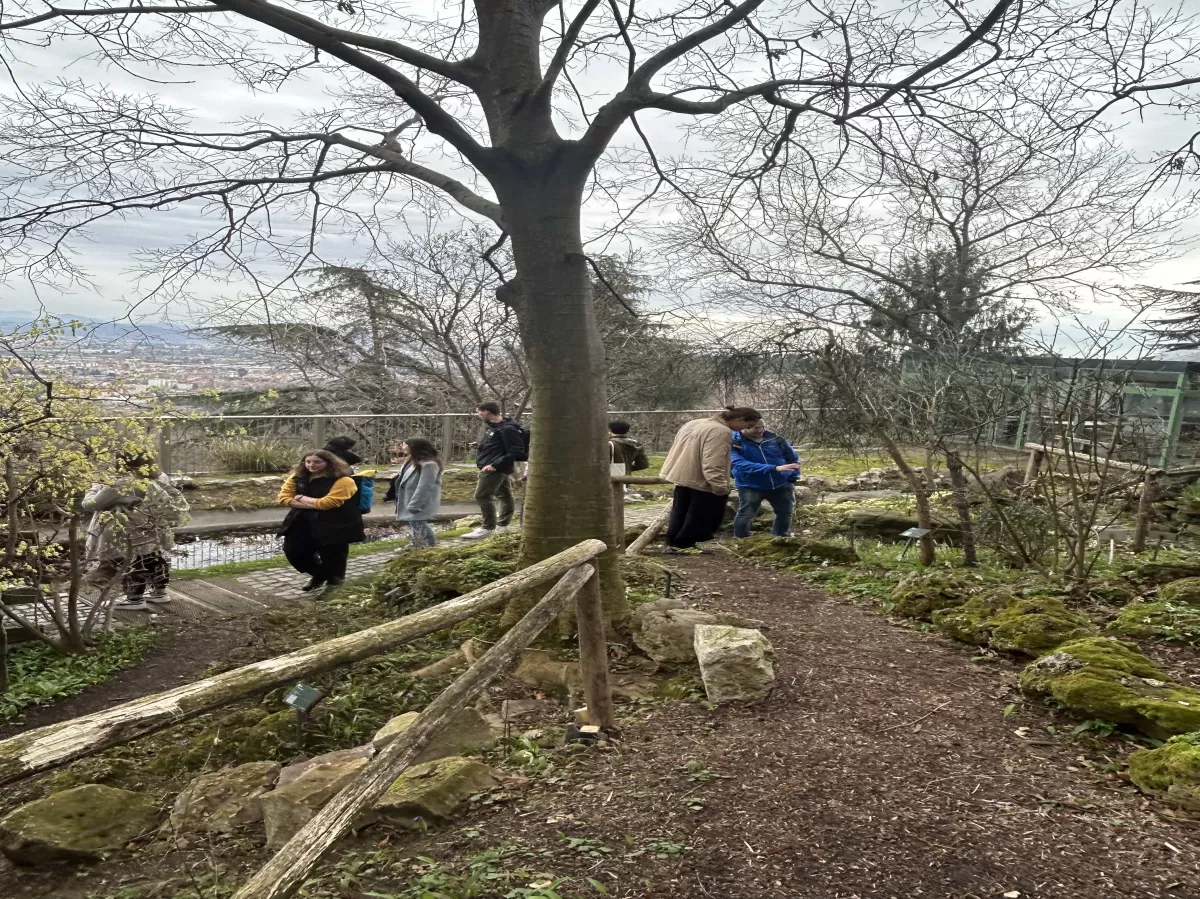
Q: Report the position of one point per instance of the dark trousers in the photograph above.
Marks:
(324, 563)
(495, 485)
(695, 517)
(151, 570)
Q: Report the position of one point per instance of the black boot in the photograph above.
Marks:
(314, 584)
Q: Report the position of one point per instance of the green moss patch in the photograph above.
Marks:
(1159, 620)
(1185, 591)
(1171, 772)
(1001, 619)
(1164, 571)
(425, 577)
(1099, 677)
(922, 593)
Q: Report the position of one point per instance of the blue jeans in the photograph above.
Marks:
(422, 533)
(782, 500)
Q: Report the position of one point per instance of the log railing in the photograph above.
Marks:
(290, 867)
(48, 747)
(619, 483)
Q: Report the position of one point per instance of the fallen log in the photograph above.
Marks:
(648, 535)
(57, 744)
(283, 874)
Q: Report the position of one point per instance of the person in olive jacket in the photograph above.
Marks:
(323, 521)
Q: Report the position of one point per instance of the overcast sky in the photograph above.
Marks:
(215, 100)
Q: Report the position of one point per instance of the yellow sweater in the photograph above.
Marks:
(342, 490)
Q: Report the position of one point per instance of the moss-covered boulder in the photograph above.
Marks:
(1001, 619)
(1158, 620)
(426, 577)
(223, 800)
(80, 824)
(1182, 592)
(790, 552)
(428, 793)
(920, 594)
(304, 788)
(1157, 573)
(1171, 772)
(466, 731)
(1111, 592)
(1037, 624)
(1099, 677)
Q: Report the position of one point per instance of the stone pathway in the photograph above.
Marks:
(257, 590)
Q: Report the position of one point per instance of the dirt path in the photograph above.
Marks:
(881, 767)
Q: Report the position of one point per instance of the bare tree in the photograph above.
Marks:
(474, 108)
(920, 228)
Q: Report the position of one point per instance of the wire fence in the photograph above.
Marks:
(249, 444)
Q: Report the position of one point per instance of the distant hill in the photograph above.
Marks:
(100, 330)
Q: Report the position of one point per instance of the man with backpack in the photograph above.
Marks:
(504, 444)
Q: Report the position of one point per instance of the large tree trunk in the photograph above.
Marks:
(962, 505)
(569, 497)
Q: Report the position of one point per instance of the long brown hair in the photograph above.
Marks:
(337, 467)
(421, 451)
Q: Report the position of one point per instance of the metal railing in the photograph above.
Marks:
(246, 444)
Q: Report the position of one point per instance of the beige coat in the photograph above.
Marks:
(699, 457)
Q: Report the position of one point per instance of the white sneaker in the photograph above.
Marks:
(158, 597)
(503, 529)
(125, 604)
(478, 534)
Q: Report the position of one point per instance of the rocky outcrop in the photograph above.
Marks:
(1009, 623)
(304, 788)
(428, 793)
(736, 663)
(1171, 772)
(665, 629)
(466, 731)
(80, 824)
(223, 800)
(1099, 677)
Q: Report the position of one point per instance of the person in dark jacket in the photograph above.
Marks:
(624, 450)
(496, 458)
(343, 448)
(323, 519)
(764, 467)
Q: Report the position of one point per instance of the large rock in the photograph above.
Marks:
(736, 663)
(301, 793)
(467, 730)
(666, 631)
(541, 669)
(220, 801)
(1098, 677)
(428, 793)
(1171, 772)
(79, 824)
(1185, 591)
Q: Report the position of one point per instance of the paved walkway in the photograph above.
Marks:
(258, 590)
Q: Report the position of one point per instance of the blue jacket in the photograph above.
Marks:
(754, 462)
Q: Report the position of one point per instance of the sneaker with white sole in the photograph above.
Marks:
(126, 604)
(503, 529)
(478, 534)
(158, 597)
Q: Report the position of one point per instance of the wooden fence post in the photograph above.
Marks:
(448, 438)
(284, 874)
(593, 656)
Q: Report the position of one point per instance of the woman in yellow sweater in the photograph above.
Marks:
(323, 520)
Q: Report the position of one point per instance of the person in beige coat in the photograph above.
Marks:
(698, 466)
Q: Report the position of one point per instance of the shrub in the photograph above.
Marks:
(241, 454)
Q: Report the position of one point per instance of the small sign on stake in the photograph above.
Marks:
(302, 698)
(912, 535)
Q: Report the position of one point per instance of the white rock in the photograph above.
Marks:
(736, 663)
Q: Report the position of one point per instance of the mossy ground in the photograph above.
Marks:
(1170, 772)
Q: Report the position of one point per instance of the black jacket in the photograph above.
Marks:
(501, 444)
(324, 527)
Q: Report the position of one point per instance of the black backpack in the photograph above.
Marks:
(525, 436)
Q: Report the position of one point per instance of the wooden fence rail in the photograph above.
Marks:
(54, 745)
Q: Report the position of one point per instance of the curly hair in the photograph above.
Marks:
(337, 467)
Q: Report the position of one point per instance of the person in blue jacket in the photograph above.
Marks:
(764, 467)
